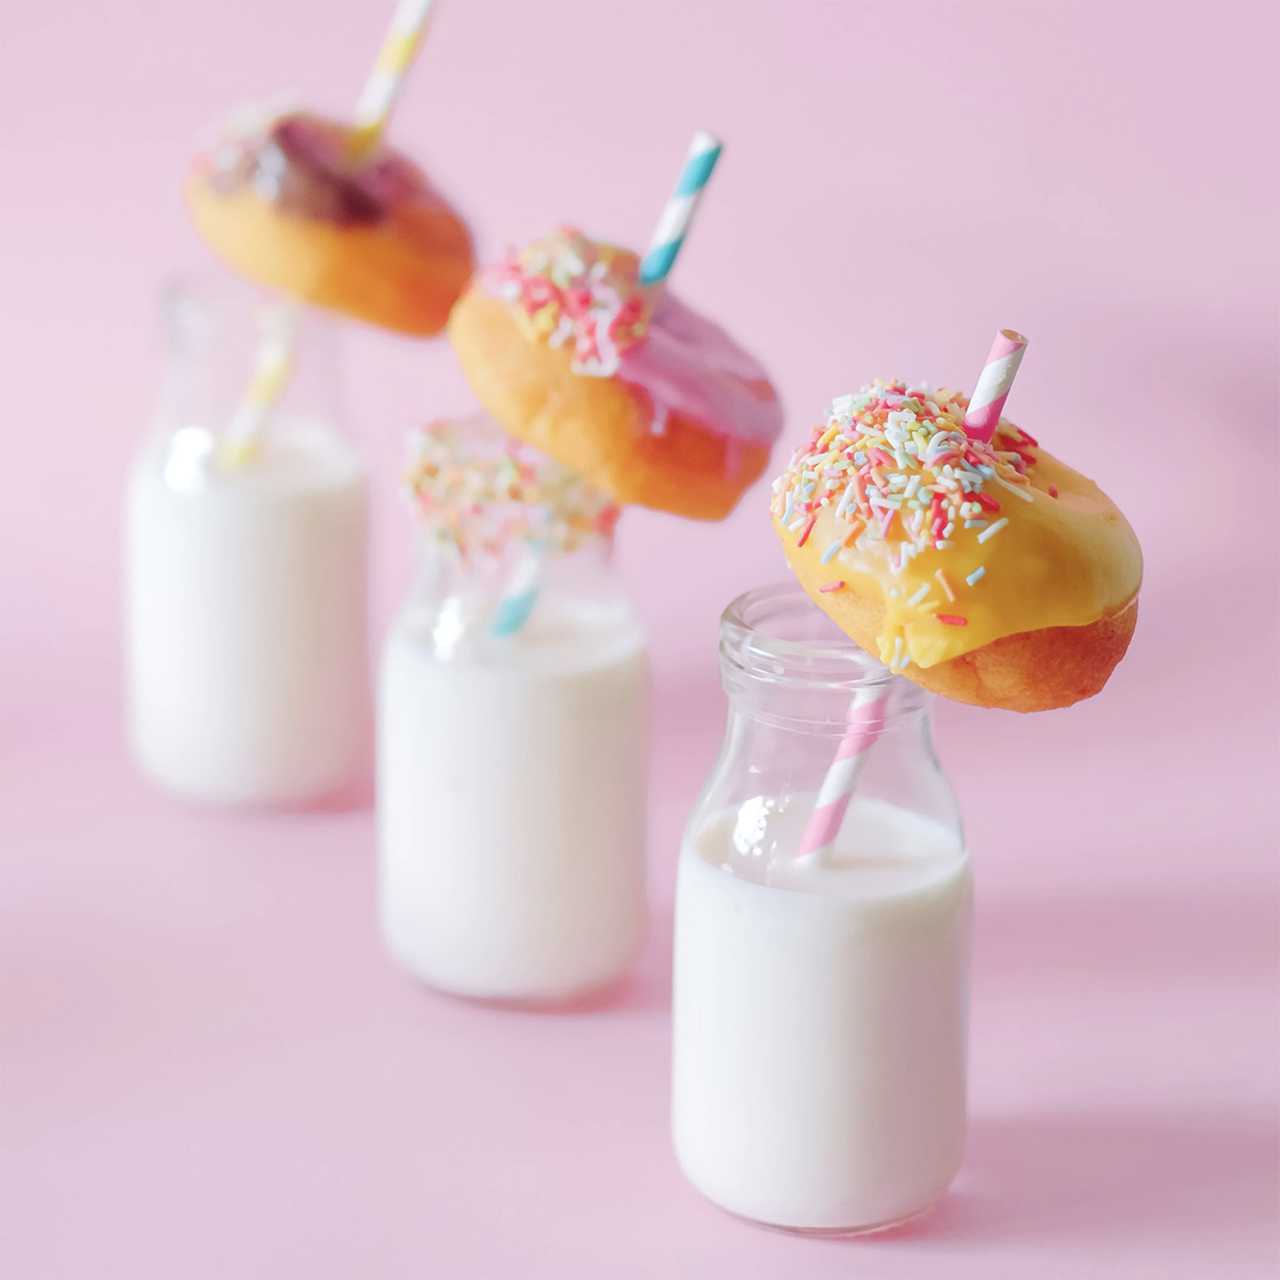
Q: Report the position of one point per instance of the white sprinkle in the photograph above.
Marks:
(906, 662)
(942, 546)
(995, 528)
(797, 523)
(919, 595)
(1013, 488)
(893, 591)
(975, 524)
(975, 575)
(912, 485)
(895, 663)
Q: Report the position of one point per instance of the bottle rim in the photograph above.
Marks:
(775, 635)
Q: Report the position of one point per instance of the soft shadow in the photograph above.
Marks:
(1042, 1176)
(354, 796)
(645, 987)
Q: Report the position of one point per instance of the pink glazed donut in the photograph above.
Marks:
(619, 381)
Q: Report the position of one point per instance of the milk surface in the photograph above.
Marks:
(821, 1016)
(246, 617)
(512, 801)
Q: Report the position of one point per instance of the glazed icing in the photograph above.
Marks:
(964, 543)
(691, 366)
(566, 288)
(299, 163)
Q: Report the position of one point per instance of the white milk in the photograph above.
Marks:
(246, 617)
(821, 1020)
(511, 803)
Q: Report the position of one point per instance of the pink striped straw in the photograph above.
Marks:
(993, 386)
(866, 719)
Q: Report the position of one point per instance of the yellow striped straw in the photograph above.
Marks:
(399, 49)
(273, 365)
(272, 369)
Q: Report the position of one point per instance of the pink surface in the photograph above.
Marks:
(210, 1069)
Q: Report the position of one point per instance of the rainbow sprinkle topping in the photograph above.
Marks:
(570, 289)
(901, 477)
(477, 491)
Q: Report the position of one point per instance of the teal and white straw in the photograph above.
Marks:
(673, 226)
(521, 594)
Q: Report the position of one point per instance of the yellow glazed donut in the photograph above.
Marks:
(621, 382)
(990, 573)
(279, 200)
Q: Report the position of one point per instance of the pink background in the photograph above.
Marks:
(211, 1070)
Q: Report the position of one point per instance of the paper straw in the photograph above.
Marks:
(272, 369)
(399, 49)
(678, 213)
(520, 596)
(866, 719)
(993, 386)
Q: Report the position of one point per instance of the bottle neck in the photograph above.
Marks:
(813, 715)
(214, 332)
(458, 606)
(784, 664)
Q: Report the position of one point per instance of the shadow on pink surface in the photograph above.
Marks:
(644, 988)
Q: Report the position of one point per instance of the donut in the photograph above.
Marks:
(992, 574)
(618, 381)
(279, 200)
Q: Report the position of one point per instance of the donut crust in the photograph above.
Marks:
(402, 273)
(599, 427)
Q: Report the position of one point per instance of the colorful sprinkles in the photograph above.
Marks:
(477, 492)
(895, 466)
(569, 289)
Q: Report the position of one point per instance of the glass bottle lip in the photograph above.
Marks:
(774, 635)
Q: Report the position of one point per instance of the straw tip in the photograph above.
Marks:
(1012, 335)
(704, 141)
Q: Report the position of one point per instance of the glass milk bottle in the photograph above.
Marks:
(512, 732)
(246, 566)
(821, 958)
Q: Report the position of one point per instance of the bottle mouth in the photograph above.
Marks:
(775, 635)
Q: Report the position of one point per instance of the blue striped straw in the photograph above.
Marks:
(520, 596)
(680, 208)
